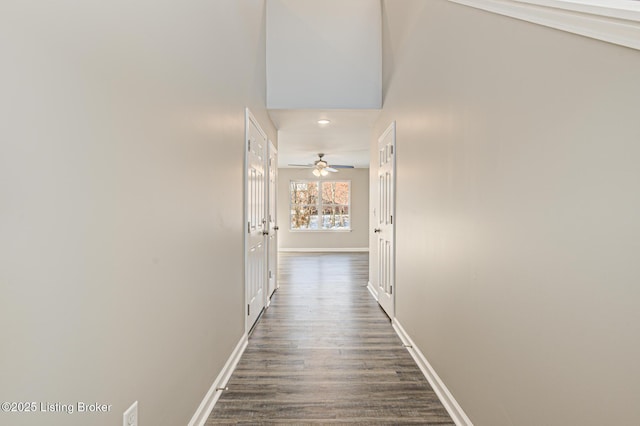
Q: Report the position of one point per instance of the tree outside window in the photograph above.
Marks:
(320, 205)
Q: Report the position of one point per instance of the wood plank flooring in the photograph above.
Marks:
(324, 352)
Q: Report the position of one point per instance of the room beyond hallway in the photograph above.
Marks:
(325, 352)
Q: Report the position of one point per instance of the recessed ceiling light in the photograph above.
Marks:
(324, 121)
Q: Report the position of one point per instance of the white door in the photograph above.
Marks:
(384, 224)
(255, 200)
(272, 245)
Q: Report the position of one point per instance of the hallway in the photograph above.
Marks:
(325, 352)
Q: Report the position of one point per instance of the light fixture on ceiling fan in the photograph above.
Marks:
(319, 172)
(321, 167)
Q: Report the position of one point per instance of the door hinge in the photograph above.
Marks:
(248, 310)
(392, 219)
(270, 274)
(391, 149)
(249, 145)
(249, 227)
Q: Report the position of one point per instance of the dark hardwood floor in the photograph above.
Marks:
(324, 352)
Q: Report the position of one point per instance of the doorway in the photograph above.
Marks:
(272, 227)
(385, 220)
(255, 218)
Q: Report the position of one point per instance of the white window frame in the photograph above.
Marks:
(613, 21)
(319, 205)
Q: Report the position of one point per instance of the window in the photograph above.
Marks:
(320, 205)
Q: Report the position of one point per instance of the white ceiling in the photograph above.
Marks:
(346, 140)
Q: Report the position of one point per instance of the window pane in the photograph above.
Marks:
(336, 217)
(342, 210)
(312, 195)
(313, 218)
(292, 192)
(341, 193)
(328, 191)
(304, 193)
(335, 192)
(304, 217)
(297, 219)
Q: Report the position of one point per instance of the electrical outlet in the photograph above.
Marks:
(130, 417)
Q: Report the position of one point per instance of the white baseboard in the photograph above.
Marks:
(210, 399)
(453, 408)
(325, 250)
(372, 290)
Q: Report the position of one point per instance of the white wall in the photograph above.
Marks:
(518, 205)
(121, 210)
(356, 239)
(323, 54)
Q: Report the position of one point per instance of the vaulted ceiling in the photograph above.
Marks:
(324, 61)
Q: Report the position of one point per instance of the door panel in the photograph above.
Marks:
(272, 267)
(385, 227)
(256, 221)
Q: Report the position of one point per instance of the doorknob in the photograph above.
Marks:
(275, 228)
(265, 232)
(376, 230)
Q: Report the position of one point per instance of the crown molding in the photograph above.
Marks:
(612, 21)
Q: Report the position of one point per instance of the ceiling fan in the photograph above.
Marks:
(321, 167)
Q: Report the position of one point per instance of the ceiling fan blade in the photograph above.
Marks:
(330, 169)
(300, 165)
(340, 166)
